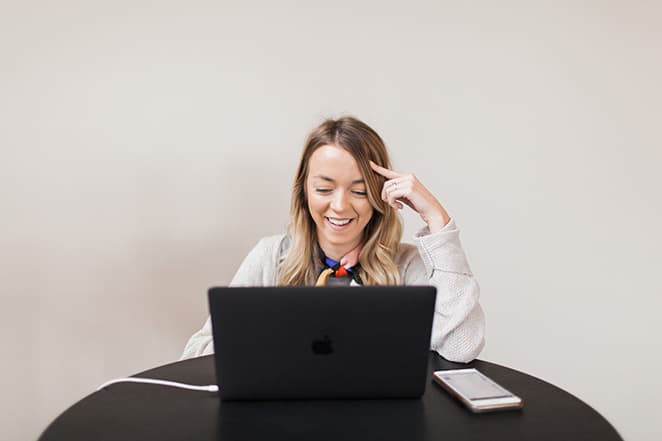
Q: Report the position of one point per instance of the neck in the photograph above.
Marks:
(335, 252)
(348, 253)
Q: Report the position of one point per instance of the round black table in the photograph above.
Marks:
(129, 411)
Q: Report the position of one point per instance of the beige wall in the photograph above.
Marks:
(146, 146)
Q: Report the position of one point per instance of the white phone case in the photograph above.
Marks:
(506, 401)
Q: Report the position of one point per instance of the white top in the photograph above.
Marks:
(437, 259)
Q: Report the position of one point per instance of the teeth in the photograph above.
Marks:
(338, 221)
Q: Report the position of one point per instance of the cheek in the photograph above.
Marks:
(316, 205)
(365, 210)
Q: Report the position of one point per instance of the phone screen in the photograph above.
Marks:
(474, 386)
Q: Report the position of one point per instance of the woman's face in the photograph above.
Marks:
(337, 200)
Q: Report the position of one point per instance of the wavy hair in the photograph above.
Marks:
(381, 235)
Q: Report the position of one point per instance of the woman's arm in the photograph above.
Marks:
(458, 327)
(258, 269)
(459, 323)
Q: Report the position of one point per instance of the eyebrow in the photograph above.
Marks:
(326, 178)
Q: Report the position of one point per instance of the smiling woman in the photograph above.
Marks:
(337, 203)
(335, 184)
(345, 230)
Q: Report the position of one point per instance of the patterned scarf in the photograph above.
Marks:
(348, 265)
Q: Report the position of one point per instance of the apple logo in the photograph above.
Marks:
(323, 347)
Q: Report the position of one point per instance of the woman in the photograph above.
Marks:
(345, 230)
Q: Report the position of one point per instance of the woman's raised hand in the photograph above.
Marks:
(402, 188)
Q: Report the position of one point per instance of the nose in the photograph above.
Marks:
(339, 201)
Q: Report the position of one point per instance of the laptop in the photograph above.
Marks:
(321, 342)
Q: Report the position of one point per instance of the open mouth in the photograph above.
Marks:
(338, 223)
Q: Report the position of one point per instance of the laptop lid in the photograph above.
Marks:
(324, 342)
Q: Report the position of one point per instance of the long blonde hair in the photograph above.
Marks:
(384, 230)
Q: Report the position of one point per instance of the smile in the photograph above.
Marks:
(338, 223)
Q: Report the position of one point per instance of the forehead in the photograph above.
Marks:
(334, 162)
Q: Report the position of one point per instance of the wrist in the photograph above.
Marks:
(437, 221)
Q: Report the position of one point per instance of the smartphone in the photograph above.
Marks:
(476, 391)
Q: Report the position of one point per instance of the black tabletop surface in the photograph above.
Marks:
(130, 411)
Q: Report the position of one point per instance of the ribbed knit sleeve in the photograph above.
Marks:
(458, 327)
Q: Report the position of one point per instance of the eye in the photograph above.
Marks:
(360, 193)
(323, 190)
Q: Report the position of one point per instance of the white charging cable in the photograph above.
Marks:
(210, 388)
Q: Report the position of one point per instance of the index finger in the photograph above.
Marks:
(390, 174)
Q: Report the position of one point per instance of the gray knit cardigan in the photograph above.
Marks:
(436, 259)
